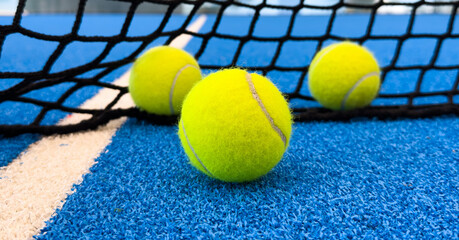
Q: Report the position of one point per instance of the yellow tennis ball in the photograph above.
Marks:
(344, 76)
(235, 126)
(161, 78)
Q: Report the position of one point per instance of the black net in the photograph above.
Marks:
(26, 82)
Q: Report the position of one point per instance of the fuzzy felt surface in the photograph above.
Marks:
(161, 78)
(235, 126)
(344, 76)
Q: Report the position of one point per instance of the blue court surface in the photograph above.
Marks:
(365, 179)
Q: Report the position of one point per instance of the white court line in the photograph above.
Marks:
(6, 13)
(37, 183)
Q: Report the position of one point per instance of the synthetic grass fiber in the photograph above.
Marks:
(365, 179)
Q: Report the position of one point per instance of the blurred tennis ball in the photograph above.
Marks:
(161, 78)
(235, 126)
(344, 76)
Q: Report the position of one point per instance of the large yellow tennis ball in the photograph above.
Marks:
(344, 76)
(235, 126)
(161, 78)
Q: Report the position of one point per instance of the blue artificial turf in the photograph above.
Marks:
(366, 179)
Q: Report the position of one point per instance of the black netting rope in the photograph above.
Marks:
(42, 79)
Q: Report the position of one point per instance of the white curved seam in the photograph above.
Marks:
(192, 149)
(262, 106)
(348, 94)
(171, 106)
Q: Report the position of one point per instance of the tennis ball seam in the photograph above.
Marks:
(192, 150)
(361, 80)
(265, 111)
(171, 94)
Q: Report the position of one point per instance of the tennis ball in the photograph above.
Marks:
(344, 76)
(161, 78)
(235, 126)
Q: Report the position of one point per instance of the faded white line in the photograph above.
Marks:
(37, 183)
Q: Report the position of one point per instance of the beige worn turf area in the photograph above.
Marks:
(37, 183)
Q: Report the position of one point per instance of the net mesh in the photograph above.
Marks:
(44, 78)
